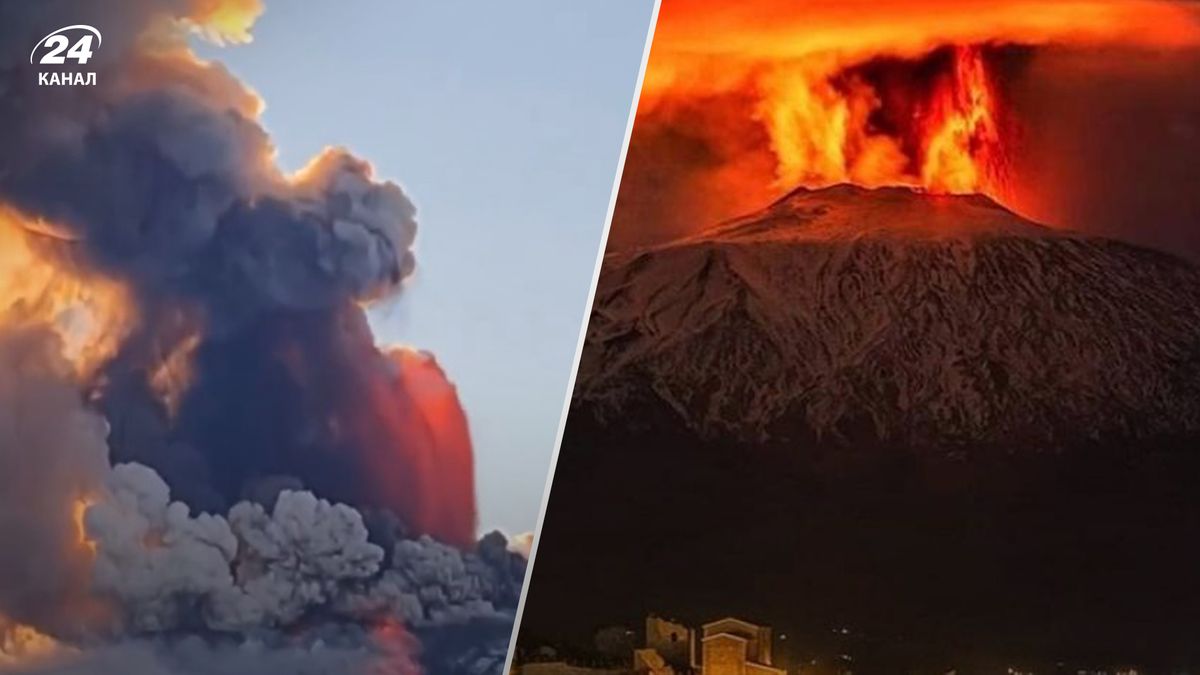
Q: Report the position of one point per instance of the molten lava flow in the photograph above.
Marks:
(418, 446)
(906, 92)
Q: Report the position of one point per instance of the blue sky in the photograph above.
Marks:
(504, 123)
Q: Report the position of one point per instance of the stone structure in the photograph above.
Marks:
(725, 647)
(735, 647)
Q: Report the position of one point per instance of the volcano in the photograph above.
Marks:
(914, 428)
(853, 316)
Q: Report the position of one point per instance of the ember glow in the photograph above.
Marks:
(943, 134)
(962, 145)
(79, 511)
(41, 284)
(19, 642)
(412, 418)
(198, 431)
(909, 92)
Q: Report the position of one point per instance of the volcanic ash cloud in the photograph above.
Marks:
(208, 465)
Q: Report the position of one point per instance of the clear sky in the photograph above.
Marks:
(503, 121)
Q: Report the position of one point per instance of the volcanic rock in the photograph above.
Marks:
(851, 316)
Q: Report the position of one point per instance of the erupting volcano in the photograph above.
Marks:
(743, 103)
(802, 105)
(199, 437)
(844, 377)
(932, 122)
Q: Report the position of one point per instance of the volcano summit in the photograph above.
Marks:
(848, 316)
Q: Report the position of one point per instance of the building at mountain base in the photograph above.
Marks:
(727, 646)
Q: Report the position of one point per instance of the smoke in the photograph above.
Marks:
(52, 454)
(691, 162)
(1088, 106)
(283, 495)
(521, 544)
(162, 178)
(256, 569)
(1115, 134)
(134, 564)
(357, 654)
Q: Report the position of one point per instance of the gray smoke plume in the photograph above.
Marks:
(256, 569)
(161, 178)
(193, 656)
(237, 582)
(52, 453)
(162, 174)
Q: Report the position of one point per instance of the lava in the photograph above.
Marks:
(887, 122)
(963, 147)
(739, 96)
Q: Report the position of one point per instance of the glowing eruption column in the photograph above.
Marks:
(896, 93)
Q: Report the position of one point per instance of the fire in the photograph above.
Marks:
(963, 143)
(39, 284)
(396, 647)
(20, 643)
(832, 128)
(173, 374)
(78, 514)
(878, 93)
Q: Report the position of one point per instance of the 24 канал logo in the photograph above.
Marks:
(68, 44)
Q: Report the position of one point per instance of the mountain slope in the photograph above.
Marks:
(858, 316)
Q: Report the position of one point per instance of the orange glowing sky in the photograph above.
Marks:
(776, 30)
(796, 62)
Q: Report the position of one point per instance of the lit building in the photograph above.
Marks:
(725, 647)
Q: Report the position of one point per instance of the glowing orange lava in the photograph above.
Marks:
(871, 92)
(962, 143)
(825, 128)
(78, 513)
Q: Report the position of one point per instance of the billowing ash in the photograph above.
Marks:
(256, 568)
(246, 482)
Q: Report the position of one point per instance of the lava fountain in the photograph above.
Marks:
(743, 102)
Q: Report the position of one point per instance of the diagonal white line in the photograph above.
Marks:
(562, 422)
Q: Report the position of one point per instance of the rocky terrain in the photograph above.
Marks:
(854, 316)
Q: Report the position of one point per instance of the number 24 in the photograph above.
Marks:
(81, 51)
